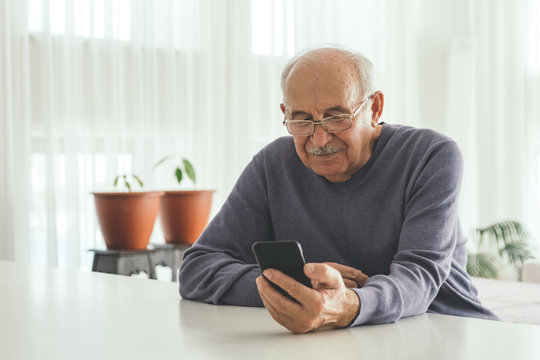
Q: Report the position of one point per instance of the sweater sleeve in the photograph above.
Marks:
(220, 268)
(426, 242)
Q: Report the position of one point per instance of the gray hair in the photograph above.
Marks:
(359, 62)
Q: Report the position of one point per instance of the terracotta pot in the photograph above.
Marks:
(127, 219)
(184, 215)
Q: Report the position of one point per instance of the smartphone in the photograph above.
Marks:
(283, 255)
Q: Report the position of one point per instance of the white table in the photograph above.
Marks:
(50, 313)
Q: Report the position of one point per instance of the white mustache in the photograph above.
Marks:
(324, 150)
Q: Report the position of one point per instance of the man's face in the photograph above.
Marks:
(321, 90)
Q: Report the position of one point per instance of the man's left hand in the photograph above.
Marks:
(329, 304)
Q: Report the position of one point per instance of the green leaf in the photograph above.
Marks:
(482, 265)
(115, 182)
(141, 184)
(128, 185)
(190, 171)
(178, 174)
(517, 253)
(163, 160)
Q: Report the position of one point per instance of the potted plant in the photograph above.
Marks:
(184, 213)
(127, 218)
(499, 246)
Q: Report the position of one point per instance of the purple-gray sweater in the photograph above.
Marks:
(395, 219)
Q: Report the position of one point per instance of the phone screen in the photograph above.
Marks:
(285, 256)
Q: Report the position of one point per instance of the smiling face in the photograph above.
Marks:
(316, 90)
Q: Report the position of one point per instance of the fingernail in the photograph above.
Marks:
(310, 268)
(268, 273)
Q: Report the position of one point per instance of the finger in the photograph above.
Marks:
(289, 322)
(350, 284)
(284, 319)
(276, 298)
(327, 276)
(345, 271)
(348, 272)
(361, 279)
(295, 289)
(277, 315)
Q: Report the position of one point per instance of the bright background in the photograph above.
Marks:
(93, 88)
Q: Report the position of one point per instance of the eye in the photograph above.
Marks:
(332, 113)
(301, 117)
(337, 118)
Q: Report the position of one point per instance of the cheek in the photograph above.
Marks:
(299, 144)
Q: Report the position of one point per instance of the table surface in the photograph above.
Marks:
(48, 313)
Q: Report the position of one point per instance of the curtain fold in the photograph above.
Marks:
(90, 89)
(506, 126)
(14, 134)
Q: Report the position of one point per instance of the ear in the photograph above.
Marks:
(282, 106)
(377, 107)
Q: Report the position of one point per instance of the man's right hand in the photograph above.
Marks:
(328, 305)
(353, 278)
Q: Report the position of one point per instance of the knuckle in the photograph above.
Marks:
(328, 270)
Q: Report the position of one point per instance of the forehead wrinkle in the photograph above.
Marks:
(332, 60)
(319, 110)
(307, 95)
(319, 95)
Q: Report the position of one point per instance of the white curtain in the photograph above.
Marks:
(94, 88)
(492, 111)
(14, 132)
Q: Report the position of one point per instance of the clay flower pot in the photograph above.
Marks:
(184, 215)
(127, 219)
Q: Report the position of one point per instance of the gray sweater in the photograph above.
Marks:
(395, 219)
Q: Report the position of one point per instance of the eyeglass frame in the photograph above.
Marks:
(322, 121)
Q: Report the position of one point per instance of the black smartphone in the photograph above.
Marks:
(283, 255)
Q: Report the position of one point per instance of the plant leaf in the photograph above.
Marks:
(178, 173)
(482, 265)
(115, 182)
(141, 184)
(190, 171)
(504, 233)
(517, 253)
(163, 160)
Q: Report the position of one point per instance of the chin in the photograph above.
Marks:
(327, 173)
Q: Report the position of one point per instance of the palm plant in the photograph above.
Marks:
(500, 244)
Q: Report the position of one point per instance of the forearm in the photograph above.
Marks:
(218, 279)
(407, 291)
(220, 268)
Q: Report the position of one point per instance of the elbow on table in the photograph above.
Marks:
(186, 282)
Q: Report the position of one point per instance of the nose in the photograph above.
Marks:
(320, 137)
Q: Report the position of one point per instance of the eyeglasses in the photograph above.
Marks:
(331, 124)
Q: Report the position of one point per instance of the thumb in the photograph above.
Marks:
(325, 276)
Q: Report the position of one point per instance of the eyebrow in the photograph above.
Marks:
(333, 108)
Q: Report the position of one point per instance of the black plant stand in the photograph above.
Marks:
(129, 262)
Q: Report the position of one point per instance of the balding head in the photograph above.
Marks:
(355, 66)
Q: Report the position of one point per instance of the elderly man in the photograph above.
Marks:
(373, 205)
